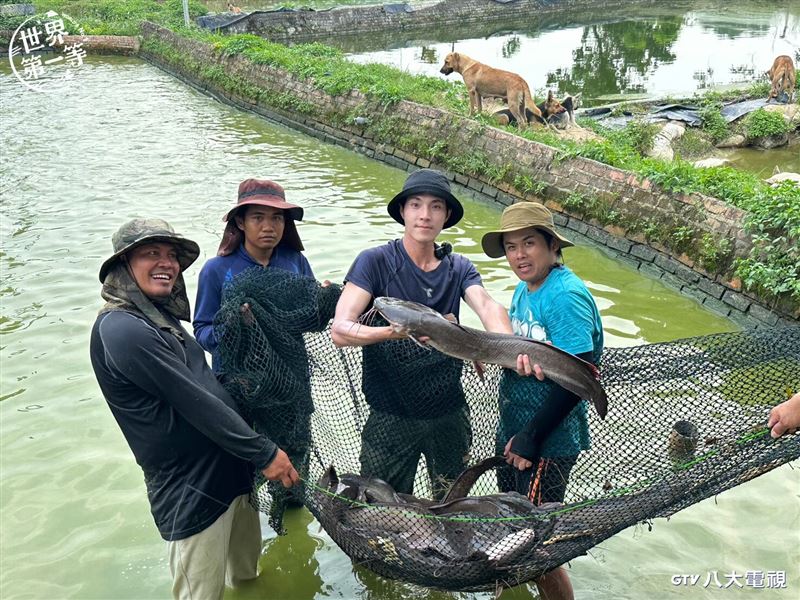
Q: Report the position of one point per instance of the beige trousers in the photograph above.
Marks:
(231, 545)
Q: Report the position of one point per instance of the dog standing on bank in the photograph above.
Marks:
(483, 80)
(783, 77)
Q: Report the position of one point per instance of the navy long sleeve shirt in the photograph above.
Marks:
(184, 429)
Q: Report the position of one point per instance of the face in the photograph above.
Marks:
(450, 63)
(155, 268)
(529, 256)
(262, 226)
(424, 216)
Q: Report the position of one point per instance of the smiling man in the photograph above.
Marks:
(260, 233)
(417, 403)
(197, 453)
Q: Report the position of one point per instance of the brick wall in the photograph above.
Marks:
(331, 119)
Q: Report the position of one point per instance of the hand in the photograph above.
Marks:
(515, 459)
(785, 418)
(247, 314)
(525, 369)
(281, 469)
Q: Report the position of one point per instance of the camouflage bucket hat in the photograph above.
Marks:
(149, 231)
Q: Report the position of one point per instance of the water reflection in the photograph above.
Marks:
(657, 50)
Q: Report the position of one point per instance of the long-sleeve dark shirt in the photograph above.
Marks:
(184, 429)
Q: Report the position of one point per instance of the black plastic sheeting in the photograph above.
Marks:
(674, 112)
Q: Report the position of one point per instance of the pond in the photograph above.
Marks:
(645, 49)
(126, 140)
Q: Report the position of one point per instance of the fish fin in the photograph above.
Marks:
(418, 343)
(479, 369)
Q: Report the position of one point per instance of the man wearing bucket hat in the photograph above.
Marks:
(420, 412)
(260, 232)
(197, 453)
(543, 427)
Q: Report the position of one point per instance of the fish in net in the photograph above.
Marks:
(686, 421)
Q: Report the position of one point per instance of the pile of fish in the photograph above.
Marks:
(421, 540)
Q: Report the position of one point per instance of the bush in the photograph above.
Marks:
(761, 123)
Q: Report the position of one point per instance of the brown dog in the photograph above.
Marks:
(783, 77)
(483, 80)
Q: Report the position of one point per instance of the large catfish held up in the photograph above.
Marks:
(567, 370)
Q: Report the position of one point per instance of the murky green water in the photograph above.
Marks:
(764, 162)
(658, 49)
(126, 140)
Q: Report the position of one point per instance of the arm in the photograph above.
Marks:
(495, 318)
(491, 313)
(135, 352)
(209, 298)
(785, 417)
(345, 331)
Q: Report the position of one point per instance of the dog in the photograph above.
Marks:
(483, 80)
(552, 112)
(783, 78)
(234, 9)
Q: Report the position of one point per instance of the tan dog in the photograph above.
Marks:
(783, 77)
(483, 80)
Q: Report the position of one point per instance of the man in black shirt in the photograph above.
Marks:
(197, 453)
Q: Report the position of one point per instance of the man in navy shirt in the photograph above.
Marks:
(185, 430)
(409, 418)
(260, 233)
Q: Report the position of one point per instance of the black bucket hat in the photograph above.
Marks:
(149, 231)
(427, 181)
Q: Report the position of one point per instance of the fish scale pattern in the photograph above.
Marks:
(686, 421)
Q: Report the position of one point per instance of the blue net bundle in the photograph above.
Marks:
(686, 421)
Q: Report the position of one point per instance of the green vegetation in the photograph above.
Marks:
(335, 75)
(761, 123)
(121, 17)
(774, 213)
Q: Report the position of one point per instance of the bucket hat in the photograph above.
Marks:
(427, 181)
(521, 216)
(149, 231)
(261, 192)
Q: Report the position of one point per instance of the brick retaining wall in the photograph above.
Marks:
(282, 97)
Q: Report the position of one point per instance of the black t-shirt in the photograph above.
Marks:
(184, 429)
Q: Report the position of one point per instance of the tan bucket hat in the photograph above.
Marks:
(521, 216)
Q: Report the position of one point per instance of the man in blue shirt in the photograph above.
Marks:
(417, 403)
(260, 233)
(542, 426)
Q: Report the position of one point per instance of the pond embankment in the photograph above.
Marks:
(616, 208)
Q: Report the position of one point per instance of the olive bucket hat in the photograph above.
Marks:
(149, 231)
(521, 216)
(427, 181)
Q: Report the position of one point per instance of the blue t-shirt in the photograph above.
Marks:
(399, 377)
(561, 311)
(218, 272)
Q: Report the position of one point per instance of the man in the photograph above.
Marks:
(417, 404)
(261, 233)
(542, 426)
(185, 431)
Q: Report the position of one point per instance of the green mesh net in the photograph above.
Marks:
(686, 421)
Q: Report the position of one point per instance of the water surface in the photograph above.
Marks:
(125, 140)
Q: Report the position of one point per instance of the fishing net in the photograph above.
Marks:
(686, 421)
